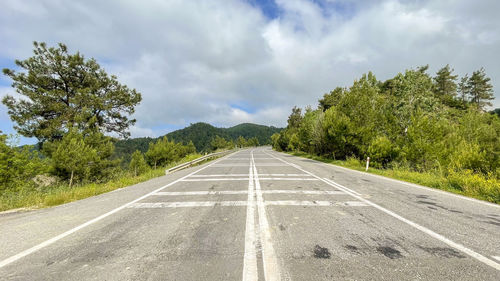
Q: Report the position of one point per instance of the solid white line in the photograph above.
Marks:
(245, 179)
(250, 272)
(212, 192)
(237, 192)
(339, 186)
(269, 165)
(246, 175)
(245, 165)
(75, 229)
(409, 184)
(218, 179)
(431, 233)
(187, 204)
(284, 175)
(315, 203)
(220, 175)
(269, 259)
(496, 257)
(311, 192)
(230, 165)
(289, 179)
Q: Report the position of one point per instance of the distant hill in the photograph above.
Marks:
(201, 134)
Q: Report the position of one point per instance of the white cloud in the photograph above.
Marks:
(194, 60)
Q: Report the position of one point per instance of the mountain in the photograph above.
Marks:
(201, 134)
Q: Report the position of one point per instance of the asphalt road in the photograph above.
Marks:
(257, 215)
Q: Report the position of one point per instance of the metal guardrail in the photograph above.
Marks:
(195, 161)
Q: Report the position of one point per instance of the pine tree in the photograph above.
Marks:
(62, 91)
(241, 142)
(73, 158)
(481, 90)
(137, 163)
(445, 86)
(463, 88)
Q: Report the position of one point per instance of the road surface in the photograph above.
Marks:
(257, 215)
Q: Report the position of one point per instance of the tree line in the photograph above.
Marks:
(71, 105)
(413, 120)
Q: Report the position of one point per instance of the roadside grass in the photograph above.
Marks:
(465, 183)
(62, 193)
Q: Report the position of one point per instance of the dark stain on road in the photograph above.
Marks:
(443, 252)
(352, 248)
(390, 252)
(321, 253)
(282, 227)
(493, 222)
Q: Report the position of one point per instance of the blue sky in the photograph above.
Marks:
(231, 61)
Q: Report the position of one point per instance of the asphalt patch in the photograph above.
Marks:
(321, 253)
(443, 252)
(390, 252)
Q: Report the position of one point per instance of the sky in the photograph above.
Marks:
(227, 62)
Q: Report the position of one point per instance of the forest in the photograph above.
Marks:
(202, 135)
(414, 122)
(80, 116)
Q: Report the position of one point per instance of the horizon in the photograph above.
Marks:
(265, 58)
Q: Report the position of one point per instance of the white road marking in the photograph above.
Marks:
(315, 203)
(496, 257)
(284, 175)
(75, 229)
(220, 175)
(230, 165)
(188, 193)
(288, 179)
(246, 175)
(415, 185)
(431, 233)
(187, 204)
(245, 179)
(232, 192)
(309, 192)
(269, 259)
(250, 272)
(339, 186)
(218, 179)
(245, 165)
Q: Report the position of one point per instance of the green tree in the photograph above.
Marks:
(190, 148)
(219, 143)
(72, 158)
(481, 90)
(62, 91)
(137, 164)
(18, 166)
(445, 86)
(156, 151)
(253, 141)
(295, 118)
(463, 88)
(496, 112)
(241, 142)
(331, 99)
